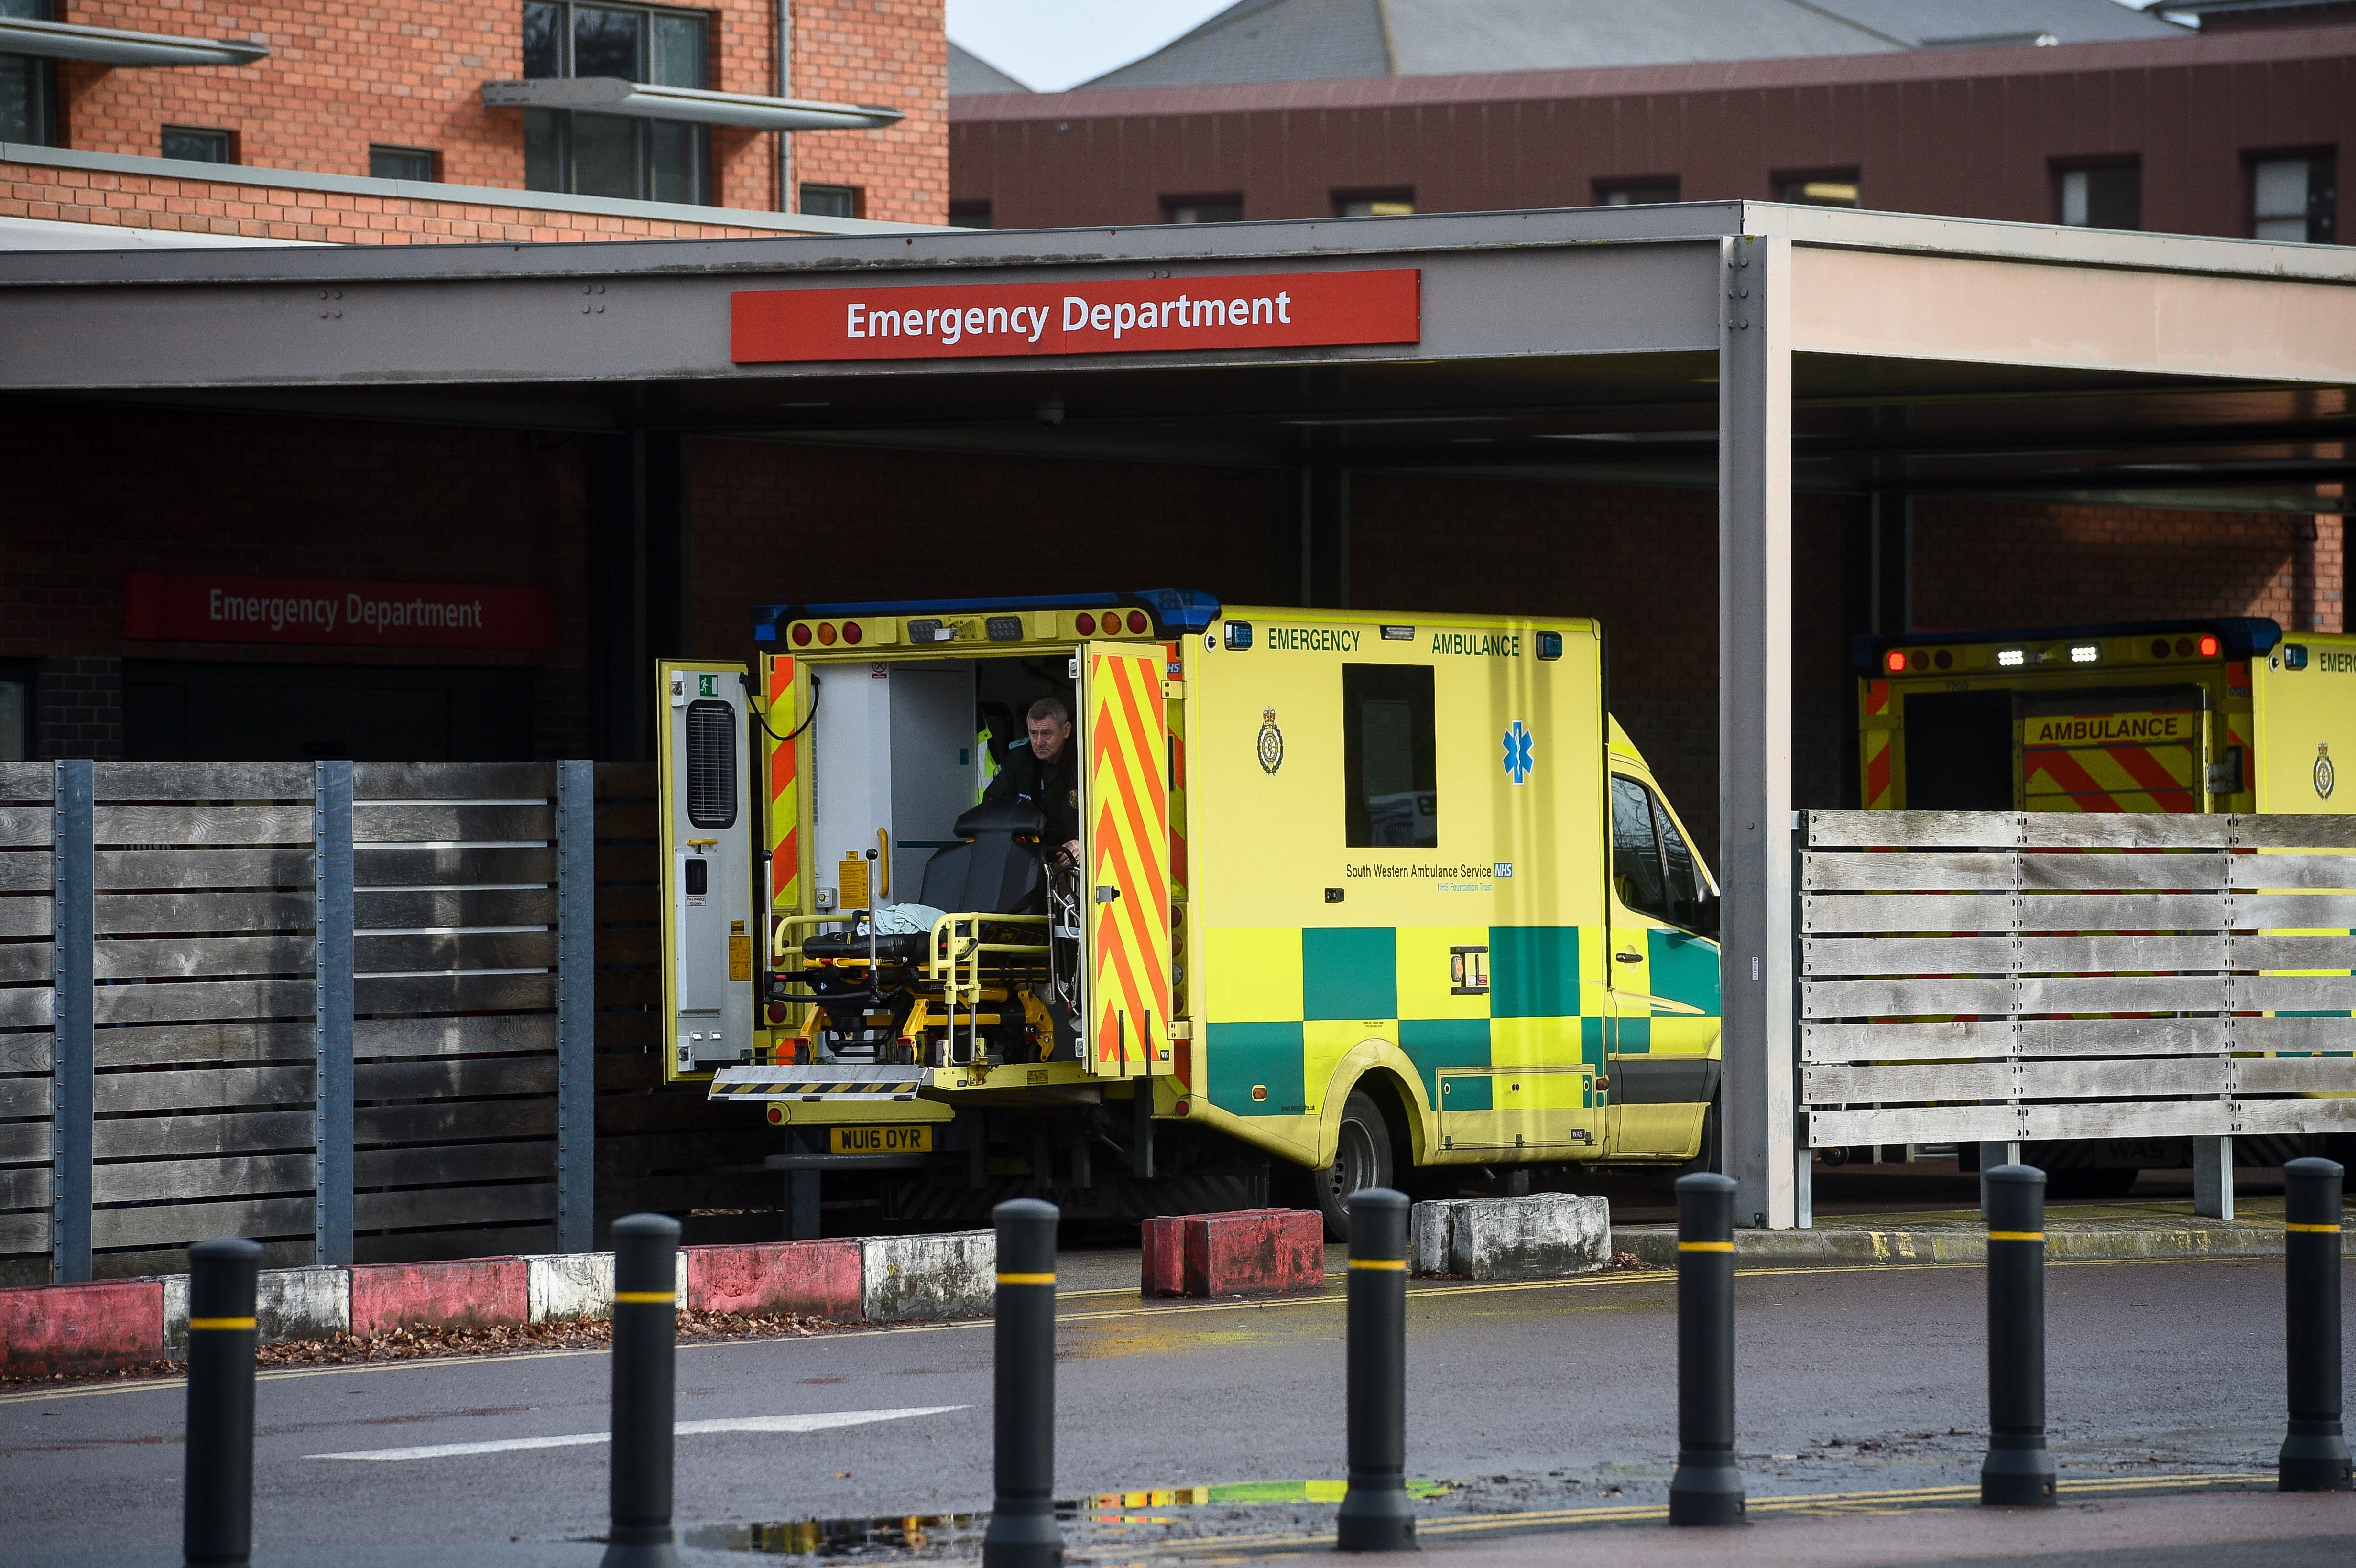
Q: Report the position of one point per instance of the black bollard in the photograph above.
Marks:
(1022, 1530)
(645, 1353)
(1708, 1485)
(1376, 1515)
(2315, 1454)
(217, 1515)
(2017, 1471)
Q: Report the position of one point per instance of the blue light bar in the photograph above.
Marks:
(1172, 609)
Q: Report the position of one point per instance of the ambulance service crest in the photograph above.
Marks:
(1271, 742)
(2323, 780)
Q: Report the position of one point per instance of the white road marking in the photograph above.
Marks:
(820, 1422)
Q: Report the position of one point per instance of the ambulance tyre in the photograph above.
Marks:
(1361, 1158)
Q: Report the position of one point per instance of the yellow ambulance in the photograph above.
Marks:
(1351, 894)
(2180, 716)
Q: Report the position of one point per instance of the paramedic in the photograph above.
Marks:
(1044, 772)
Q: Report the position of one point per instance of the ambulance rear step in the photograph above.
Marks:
(828, 1081)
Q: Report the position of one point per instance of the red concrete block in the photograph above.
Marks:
(1255, 1252)
(50, 1328)
(477, 1293)
(1165, 1268)
(814, 1279)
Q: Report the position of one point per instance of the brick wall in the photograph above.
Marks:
(255, 209)
(1981, 563)
(340, 78)
(94, 493)
(892, 52)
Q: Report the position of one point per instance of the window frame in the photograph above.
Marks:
(1399, 199)
(1171, 206)
(227, 142)
(42, 76)
(2065, 168)
(559, 124)
(2329, 215)
(1663, 823)
(1630, 187)
(25, 673)
(432, 158)
(856, 195)
(1423, 742)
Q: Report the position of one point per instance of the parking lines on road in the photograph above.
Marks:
(820, 1422)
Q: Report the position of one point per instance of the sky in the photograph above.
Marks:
(1050, 44)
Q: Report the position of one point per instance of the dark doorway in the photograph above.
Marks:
(1959, 750)
(292, 713)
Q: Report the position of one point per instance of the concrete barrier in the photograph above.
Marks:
(904, 1278)
(1255, 1252)
(477, 1294)
(1547, 1235)
(565, 1288)
(46, 1330)
(812, 1279)
(1162, 1260)
(289, 1303)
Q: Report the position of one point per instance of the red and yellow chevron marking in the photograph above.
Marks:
(2111, 778)
(1130, 851)
(1874, 746)
(784, 790)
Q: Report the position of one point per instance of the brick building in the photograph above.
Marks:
(355, 125)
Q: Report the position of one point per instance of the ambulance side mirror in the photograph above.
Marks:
(1700, 915)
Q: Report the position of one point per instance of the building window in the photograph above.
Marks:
(16, 711)
(2101, 196)
(400, 163)
(615, 154)
(2295, 198)
(1203, 208)
(1400, 203)
(969, 215)
(1649, 192)
(29, 87)
(1825, 188)
(833, 200)
(196, 144)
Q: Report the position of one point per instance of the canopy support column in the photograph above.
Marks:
(1754, 728)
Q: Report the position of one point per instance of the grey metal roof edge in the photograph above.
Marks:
(432, 190)
(1272, 240)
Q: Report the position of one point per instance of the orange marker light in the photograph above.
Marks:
(2208, 648)
(826, 633)
(1894, 661)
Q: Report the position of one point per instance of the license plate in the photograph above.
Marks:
(880, 1140)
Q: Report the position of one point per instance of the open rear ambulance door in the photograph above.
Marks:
(2140, 750)
(704, 807)
(1125, 849)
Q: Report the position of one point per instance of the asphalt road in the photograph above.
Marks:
(1527, 1397)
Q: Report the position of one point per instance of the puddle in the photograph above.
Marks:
(1100, 1521)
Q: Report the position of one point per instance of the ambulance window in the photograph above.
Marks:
(1685, 883)
(1389, 757)
(710, 764)
(1635, 852)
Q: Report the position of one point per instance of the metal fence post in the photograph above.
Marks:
(331, 916)
(72, 1104)
(576, 1006)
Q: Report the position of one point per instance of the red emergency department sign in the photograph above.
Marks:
(1269, 310)
(353, 614)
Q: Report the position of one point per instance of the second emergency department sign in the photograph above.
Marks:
(1269, 310)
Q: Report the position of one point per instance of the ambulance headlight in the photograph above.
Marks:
(2086, 653)
(2011, 659)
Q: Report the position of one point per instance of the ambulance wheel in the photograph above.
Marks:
(1361, 1158)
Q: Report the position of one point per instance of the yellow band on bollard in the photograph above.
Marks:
(221, 1322)
(2016, 1235)
(646, 1298)
(2320, 1230)
(1378, 1263)
(1027, 1279)
(1705, 1247)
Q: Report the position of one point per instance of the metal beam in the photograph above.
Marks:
(72, 1089)
(120, 45)
(332, 1091)
(651, 100)
(576, 1007)
(1754, 726)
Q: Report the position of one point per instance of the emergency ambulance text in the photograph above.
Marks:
(1478, 645)
(2107, 727)
(1314, 639)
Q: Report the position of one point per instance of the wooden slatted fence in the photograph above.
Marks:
(27, 961)
(1999, 977)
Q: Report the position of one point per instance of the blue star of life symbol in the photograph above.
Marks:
(1518, 752)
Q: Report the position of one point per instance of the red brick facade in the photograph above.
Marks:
(340, 78)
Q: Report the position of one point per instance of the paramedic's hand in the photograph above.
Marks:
(1071, 851)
